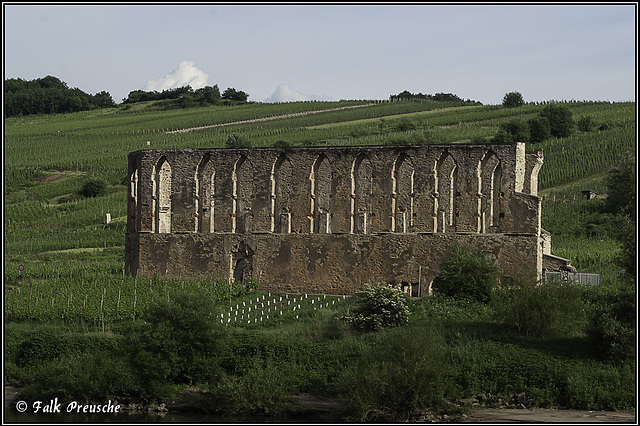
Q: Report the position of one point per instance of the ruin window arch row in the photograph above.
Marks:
(161, 196)
(205, 181)
(320, 195)
(403, 192)
(134, 204)
(282, 194)
(445, 174)
(489, 192)
(242, 194)
(361, 193)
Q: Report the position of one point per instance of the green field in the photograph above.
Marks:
(73, 260)
(48, 157)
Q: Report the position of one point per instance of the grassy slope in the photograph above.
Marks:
(61, 237)
(47, 158)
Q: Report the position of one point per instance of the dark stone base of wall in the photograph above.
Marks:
(319, 263)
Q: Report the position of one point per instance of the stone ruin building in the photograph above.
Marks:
(333, 219)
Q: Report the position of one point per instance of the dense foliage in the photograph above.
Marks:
(73, 326)
(512, 100)
(49, 95)
(560, 119)
(94, 187)
(405, 375)
(467, 274)
(187, 97)
(378, 307)
(621, 202)
(438, 97)
(539, 309)
(554, 119)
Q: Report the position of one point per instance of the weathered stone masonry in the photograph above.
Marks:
(332, 219)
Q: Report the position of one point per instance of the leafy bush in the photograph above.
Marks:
(263, 389)
(612, 323)
(405, 124)
(512, 100)
(405, 374)
(586, 123)
(180, 342)
(518, 129)
(598, 386)
(94, 187)
(536, 309)
(539, 129)
(237, 141)
(467, 273)
(478, 139)
(560, 118)
(41, 346)
(606, 125)
(378, 307)
(85, 377)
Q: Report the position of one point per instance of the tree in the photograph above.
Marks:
(560, 119)
(621, 188)
(539, 129)
(47, 95)
(94, 187)
(235, 95)
(512, 100)
(517, 129)
(621, 202)
(237, 141)
(379, 307)
(103, 100)
(467, 274)
(178, 343)
(208, 94)
(586, 123)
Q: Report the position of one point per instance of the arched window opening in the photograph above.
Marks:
(321, 196)
(361, 190)
(402, 199)
(162, 196)
(281, 195)
(205, 191)
(446, 186)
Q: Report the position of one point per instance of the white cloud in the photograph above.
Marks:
(185, 75)
(285, 93)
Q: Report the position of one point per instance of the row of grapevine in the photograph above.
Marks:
(572, 158)
(100, 298)
(269, 308)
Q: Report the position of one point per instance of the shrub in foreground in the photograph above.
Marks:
(86, 378)
(262, 390)
(378, 307)
(612, 323)
(180, 342)
(467, 274)
(94, 187)
(403, 374)
(536, 309)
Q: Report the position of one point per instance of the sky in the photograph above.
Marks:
(292, 52)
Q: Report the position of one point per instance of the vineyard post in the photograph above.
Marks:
(135, 297)
(29, 301)
(102, 301)
(104, 290)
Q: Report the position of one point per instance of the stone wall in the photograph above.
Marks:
(330, 219)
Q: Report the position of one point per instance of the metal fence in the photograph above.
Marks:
(576, 278)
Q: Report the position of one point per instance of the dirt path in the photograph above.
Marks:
(277, 117)
(324, 409)
(546, 415)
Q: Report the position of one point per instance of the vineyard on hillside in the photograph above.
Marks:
(73, 257)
